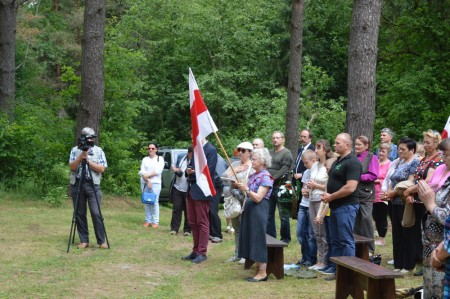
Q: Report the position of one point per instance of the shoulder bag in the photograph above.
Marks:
(232, 206)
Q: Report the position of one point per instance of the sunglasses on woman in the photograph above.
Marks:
(242, 150)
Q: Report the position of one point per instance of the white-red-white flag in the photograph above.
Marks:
(446, 131)
(202, 126)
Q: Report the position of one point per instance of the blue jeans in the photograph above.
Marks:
(285, 229)
(305, 236)
(152, 211)
(342, 222)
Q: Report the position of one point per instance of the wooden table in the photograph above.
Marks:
(275, 257)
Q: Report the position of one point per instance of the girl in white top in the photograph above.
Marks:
(317, 184)
(150, 172)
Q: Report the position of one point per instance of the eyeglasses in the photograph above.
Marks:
(255, 159)
(152, 148)
(242, 150)
(276, 137)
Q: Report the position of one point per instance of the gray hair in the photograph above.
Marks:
(444, 145)
(263, 154)
(259, 140)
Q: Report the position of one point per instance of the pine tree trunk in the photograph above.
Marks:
(92, 69)
(295, 72)
(8, 15)
(362, 62)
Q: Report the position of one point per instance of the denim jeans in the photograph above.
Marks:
(342, 222)
(305, 236)
(285, 229)
(152, 211)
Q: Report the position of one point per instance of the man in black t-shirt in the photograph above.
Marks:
(343, 178)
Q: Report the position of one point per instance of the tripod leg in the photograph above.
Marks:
(74, 223)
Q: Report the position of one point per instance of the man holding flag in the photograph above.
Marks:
(199, 172)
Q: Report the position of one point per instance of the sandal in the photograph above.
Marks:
(83, 245)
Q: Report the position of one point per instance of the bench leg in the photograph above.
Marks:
(347, 283)
(362, 251)
(381, 288)
(275, 262)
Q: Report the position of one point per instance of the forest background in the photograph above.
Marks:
(239, 53)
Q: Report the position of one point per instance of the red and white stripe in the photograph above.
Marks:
(202, 126)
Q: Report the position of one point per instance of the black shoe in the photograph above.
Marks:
(285, 241)
(419, 272)
(189, 257)
(301, 262)
(251, 279)
(199, 259)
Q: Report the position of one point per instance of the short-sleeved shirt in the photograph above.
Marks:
(262, 178)
(305, 178)
(96, 155)
(344, 169)
(401, 173)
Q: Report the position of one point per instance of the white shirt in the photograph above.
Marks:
(152, 164)
(319, 175)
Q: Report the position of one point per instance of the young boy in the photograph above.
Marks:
(305, 234)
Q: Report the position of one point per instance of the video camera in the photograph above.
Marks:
(84, 143)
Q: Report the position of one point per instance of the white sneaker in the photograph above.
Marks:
(231, 230)
(391, 262)
(232, 259)
(242, 261)
(316, 266)
(404, 271)
(397, 270)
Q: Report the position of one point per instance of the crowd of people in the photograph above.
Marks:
(348, 191)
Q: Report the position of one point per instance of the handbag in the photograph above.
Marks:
(409, 215)
(148, 196)
(232, 206)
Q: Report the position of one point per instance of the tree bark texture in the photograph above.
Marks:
(295, 72)
(8, 15)
(92, 69)
(362, 62)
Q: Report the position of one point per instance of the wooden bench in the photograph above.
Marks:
(275, 257)
(362, 246)
(355, 275)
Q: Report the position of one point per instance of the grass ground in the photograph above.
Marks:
(142, 262)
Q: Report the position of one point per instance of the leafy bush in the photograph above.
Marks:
(56, 196)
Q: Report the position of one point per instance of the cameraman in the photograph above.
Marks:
(90, 186)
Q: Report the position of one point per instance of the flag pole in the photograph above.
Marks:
(226, 156)
(223, 149)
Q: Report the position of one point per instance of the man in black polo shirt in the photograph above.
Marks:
(343, 178)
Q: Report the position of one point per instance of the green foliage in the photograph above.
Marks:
(413, 89)
(56, 196)
(238, 51)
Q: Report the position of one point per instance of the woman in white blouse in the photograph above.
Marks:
(150, 172)
(317, 184)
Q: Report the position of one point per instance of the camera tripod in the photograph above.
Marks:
(81, 181)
